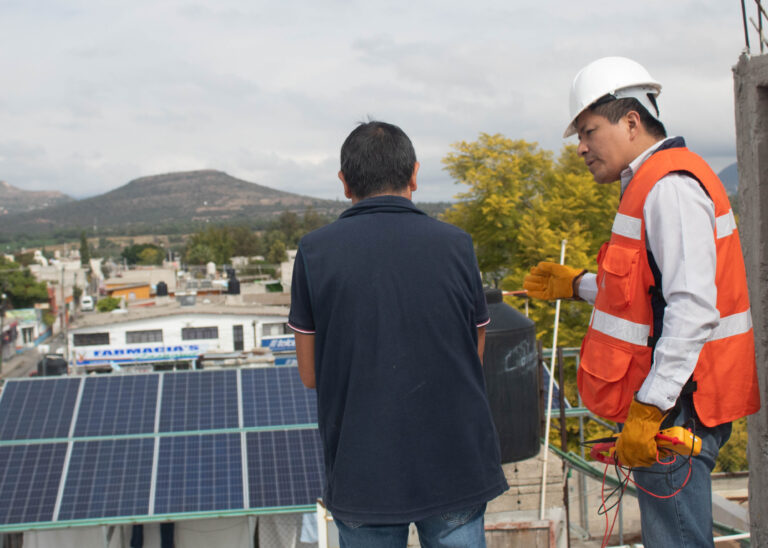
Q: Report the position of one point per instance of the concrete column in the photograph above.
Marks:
(751, 97)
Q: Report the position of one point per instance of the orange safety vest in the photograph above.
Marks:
(617, 352)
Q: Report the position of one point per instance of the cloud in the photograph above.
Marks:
(99, 93)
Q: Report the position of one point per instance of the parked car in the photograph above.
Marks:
(52, 364)
(87, 303)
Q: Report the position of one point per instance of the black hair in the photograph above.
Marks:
(377, 158)
(615, 109)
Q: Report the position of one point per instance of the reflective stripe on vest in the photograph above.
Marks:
(725, 225)
(619, 328)
(631, 227)
(637, 333)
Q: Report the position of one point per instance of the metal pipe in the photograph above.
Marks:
(744, 17)
(549, 396)
(564, 444)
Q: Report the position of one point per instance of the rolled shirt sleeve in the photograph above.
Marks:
(300, 318)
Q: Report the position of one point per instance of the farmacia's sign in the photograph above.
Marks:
(125, 355)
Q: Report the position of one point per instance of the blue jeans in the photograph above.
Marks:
(461, 529)
(684, 520)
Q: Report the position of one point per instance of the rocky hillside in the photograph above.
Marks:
(15, 200)
(146, 204)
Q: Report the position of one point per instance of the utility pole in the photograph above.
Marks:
(2, 328)
(63, 312)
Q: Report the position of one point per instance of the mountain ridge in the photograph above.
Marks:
(145, 203)
(15, 200)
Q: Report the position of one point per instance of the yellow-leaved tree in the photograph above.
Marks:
(520, 204)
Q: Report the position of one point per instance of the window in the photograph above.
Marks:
(193, 333)
(149, 336)
(274, 329)
(237, 335)
(90, 339)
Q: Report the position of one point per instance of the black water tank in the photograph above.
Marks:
(162, 289)
(233, 285)
(512, 378)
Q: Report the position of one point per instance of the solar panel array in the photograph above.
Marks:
(144, 447)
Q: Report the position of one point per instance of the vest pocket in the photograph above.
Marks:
(617, 270)
(607, 379)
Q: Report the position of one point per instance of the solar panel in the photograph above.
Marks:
(29, 481)
(199, 473)
(108, 478)
(199, 400)
(37, 409)
(98, 448)
(276, 396)
(115, 405)
(285, 468)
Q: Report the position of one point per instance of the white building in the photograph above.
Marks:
(168, 335)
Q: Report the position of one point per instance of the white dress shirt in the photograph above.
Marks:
(680, 226)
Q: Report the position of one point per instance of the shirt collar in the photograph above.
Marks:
(635, 164)
(382, 204)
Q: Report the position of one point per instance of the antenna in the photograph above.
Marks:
(758, 25)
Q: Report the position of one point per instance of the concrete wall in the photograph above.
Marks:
(751, 97)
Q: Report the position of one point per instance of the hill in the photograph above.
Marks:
(730, 178)
(164, 203)
(15, 200)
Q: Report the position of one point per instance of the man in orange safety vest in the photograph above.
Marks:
(670, 340)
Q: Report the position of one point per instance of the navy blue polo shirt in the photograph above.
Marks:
(394, 299)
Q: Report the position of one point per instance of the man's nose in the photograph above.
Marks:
(582, 148)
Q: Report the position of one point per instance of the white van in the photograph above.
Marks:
(86, 303)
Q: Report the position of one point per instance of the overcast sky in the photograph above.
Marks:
(96, 93)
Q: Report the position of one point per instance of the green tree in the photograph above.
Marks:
(277, 252)
(25, 259)
(151, 256)
(85, 252)
(198, 254)
(503, 176)
(107, 304)
(520, 205)
(133, 254)
(245, 241)
(733, 455)
(20, 286)
(212, 244)
(77, 292)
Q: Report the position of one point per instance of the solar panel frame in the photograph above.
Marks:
(36, 405)
(29, 481)
(279, 477)
(276, 397)
(117, 405)
(108, 478)
(169, 445)
(192, 401)
(200, 473)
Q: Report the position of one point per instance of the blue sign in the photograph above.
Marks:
(279, 343)
(137, 355)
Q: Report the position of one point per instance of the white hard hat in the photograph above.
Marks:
(616, 76)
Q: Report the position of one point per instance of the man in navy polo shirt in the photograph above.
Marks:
(389, 314)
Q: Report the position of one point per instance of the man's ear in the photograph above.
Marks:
(347, 191)
(634, 124)
(412, 185)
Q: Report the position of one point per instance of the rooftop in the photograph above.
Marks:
(267, 304)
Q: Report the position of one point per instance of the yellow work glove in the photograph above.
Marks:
(636, 445)
(551, 281)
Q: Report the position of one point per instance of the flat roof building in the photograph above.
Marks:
(183, 333)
